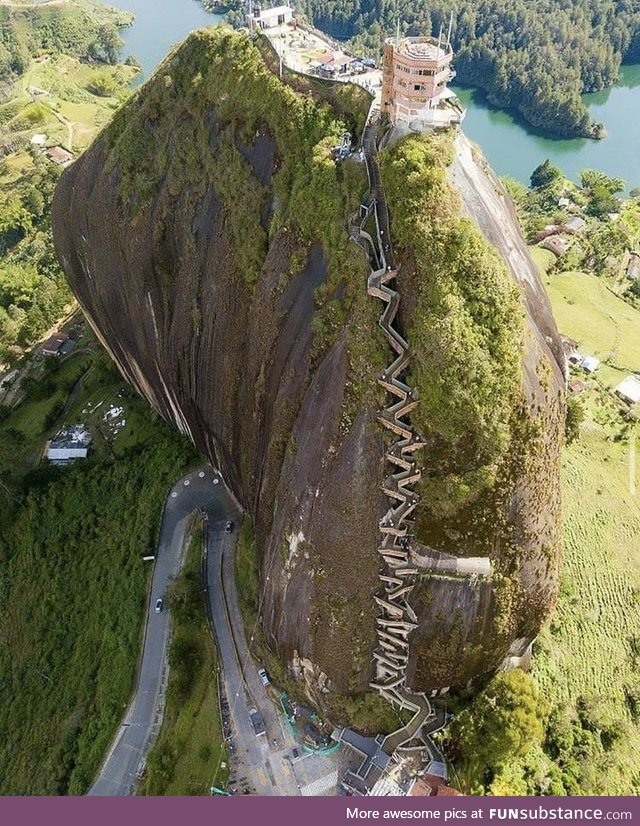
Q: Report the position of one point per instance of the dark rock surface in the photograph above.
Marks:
(236, 366)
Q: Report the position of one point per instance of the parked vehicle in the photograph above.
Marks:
(262, 673)
(257, 722)
(229, 527)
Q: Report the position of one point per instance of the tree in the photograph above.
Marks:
(601, 191)
(545, 174)
(573, 420)
(107, 44)
(502, 723)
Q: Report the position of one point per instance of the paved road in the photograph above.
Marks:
(144, 715)
(260, 763)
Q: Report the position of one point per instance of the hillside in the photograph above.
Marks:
(206, 236)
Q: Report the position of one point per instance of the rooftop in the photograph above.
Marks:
(629, 389)
(421, 48)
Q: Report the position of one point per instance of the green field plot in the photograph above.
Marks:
(603, 324)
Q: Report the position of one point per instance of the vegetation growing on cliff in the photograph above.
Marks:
(222, 73)
(466, 327)
(224, 96)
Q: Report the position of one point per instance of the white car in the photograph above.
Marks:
(264, 677)
(158, 606)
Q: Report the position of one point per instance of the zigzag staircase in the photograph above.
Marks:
(396, 619)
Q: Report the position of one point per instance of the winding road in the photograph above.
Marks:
(143, 718)
(265, 771)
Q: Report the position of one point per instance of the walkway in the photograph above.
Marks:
(397, 618)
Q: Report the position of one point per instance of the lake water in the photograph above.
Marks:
(158, 26)
(510, 145)
(513, 148)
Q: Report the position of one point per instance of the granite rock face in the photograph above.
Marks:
(249, 328)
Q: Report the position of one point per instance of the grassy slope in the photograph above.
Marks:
(74, 588)
(189, 753)
(603, 324)
(586, 651)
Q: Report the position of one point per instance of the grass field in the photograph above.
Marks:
(189, 753)
(591, 648)
(545, 259)
(603, 324)
(588, 651)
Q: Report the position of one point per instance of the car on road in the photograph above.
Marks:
(262, 673)
(229, 526)
(257, 722)
(158, 606)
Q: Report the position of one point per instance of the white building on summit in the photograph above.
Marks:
(415, 74)
(259, 18)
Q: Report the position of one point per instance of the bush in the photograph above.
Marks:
(573, 421)
(502, 723)
(545, 174)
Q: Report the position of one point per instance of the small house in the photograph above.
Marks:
(629, 390)
(8, 379)
(575, 224)
(271, 18)
(633, 268)
(430, 785)
(67, 347)
(556, 244)
(575, 387)
(53, 345)
(59, 155)
(39, 139)
(590, 364)
(68, 445)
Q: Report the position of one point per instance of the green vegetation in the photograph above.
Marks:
(467, 326)
(602, 246)
(503, 722)
(189, 753)
(589, 312)
(48, 90)
(222, 91)
(79, 28)
(585, 662)
(536, 58)
(33, 292)
(223, 69)
(74, 585)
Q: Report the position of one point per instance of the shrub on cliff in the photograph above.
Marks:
(503, 722)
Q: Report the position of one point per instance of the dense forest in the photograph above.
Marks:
(33, 291)
(536, 58)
